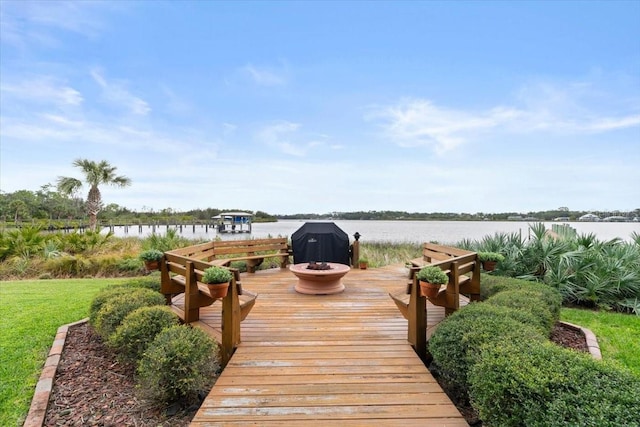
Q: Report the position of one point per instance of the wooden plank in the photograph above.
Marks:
(406, 422)
(337, 359)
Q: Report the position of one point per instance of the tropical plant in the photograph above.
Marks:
(94, 174)
(23, 242)
(87, 242)
(170, 240)
(585, 270)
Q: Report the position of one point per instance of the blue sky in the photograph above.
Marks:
(300, 107)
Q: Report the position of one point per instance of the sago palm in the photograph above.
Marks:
(95, 174)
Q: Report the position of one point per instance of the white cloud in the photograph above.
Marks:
(24, 24)
(418, 122)
(43, 89)
(575, 109)
(287, 138)
(116, 94)
(278, 135)
(265, 76)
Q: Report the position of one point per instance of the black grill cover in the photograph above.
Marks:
(320, 242)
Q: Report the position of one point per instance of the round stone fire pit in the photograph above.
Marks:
(318, 279)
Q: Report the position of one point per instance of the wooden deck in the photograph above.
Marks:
(319, 359)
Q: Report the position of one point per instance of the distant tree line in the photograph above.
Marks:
(549, 215)
(47, 204)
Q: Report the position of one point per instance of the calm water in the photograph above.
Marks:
(402, 231)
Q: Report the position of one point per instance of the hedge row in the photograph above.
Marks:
(541, 384)
(173, 361)
(498, 350)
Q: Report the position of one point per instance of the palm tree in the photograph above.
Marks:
(95, 174)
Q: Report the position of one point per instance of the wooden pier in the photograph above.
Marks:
(340, 359)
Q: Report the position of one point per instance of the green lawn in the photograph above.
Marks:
(30, 314)
(617, 334)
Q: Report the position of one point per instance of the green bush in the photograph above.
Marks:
(129, 265)
(544, 385)
(116, 308)
(527, 301)
(178, 364)
(151, 281)
(68, 266)
(102, 297)
(459, 340)
(139, 329)
(241, 266)
(492, 285)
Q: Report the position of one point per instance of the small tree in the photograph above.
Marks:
(95, 174)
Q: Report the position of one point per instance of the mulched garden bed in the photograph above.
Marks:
(92, 388)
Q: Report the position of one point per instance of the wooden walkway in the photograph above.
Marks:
(319, 359)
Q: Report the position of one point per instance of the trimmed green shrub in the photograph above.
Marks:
(550, 297)
(459, 340)
(102, 297)
(139, 329)
(528, 301)
(151, 281)
(178, 364)
(116, 308)
(544, 385)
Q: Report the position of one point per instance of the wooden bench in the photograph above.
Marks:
(181, 274)
(253, 251)
(462, 267)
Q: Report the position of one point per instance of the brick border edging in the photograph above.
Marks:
(592, 341)
(40, 401)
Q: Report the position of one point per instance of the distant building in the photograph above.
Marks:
(562, 218)
(615, 218)
(589, 217)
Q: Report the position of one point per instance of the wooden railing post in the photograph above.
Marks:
(474, 293)
(417, 317)
(355, 253)
(230, 320)
(165, 281)
(452, 296)
(191, 294)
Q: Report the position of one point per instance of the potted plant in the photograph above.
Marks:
(489, 260)
(217, 280)
(151, 258)
(363, 263)
(431, 278)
